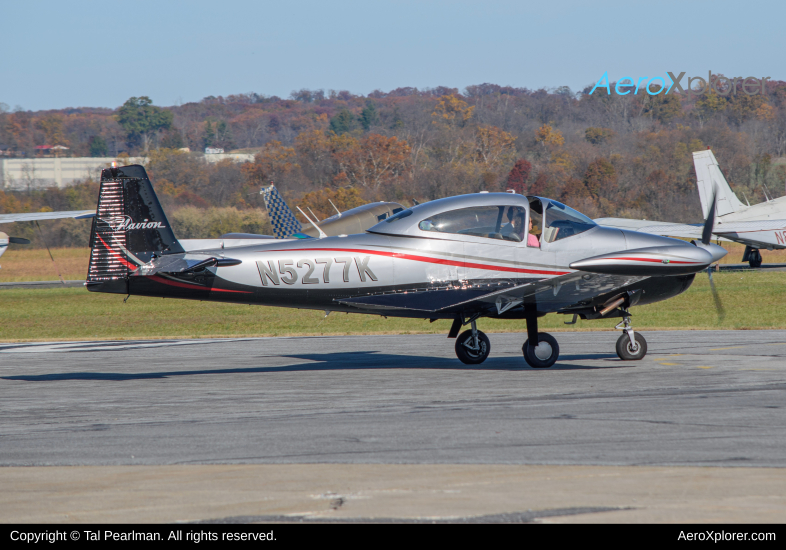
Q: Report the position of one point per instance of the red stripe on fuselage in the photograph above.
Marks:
(427, 259)
(193, 286)
(650, 260)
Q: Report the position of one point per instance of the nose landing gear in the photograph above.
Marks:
(630, 346)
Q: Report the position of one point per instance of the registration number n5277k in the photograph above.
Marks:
(285, 271)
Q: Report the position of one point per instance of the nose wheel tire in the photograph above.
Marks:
(627, 352)
(544, 354)
(470, 354)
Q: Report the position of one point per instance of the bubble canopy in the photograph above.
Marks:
(502, 216)
(560, 221)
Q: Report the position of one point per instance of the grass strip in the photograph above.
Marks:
(753, 300)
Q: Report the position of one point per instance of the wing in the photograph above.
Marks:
(34, 216)
(748, 227)
(665, 229)
(548, 294)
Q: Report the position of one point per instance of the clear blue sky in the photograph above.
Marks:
(100, 53)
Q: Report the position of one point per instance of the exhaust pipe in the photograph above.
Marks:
(612, 306)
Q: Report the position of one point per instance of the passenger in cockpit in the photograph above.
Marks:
(532, 240)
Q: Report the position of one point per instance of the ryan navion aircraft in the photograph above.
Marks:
(459, 258)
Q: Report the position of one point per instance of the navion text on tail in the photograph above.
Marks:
(464, 258)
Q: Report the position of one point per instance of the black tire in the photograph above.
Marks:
(535, 357)
(755, 259)
(626, 351)
(464, 350)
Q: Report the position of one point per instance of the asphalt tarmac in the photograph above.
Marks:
(702, 399)
(698, 398)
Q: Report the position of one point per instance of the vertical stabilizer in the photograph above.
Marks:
(710, 180)
(4, 240)
(129, 228)
(282, 219)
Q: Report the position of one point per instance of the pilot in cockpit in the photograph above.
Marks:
(514, 229)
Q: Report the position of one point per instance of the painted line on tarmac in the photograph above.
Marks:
(59, 347)
(513, 517)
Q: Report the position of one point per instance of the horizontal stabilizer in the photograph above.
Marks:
(36, 216)
(182, 264)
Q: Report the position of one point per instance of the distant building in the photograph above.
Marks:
(38, 173)
(214, 151)
(52, 171)
(236, 157)
(47, 150)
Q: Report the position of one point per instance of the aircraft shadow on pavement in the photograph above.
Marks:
(358, 360)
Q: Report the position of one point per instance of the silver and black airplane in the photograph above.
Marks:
(496, 255)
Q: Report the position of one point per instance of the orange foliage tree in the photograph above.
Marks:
(374, 160)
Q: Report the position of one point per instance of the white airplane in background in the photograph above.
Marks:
(759, 226)
(5, 240)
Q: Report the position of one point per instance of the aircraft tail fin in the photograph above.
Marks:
(282, 219)
(129, 228)
(710, 181)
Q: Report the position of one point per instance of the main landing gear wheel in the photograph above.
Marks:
(627, 351)
(544, 354)
(470, 352)
(755, 258)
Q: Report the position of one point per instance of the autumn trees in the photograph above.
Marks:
(605, 154)
(141, 120)
(372, 162)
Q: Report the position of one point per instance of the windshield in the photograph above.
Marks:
(401, 214)
(491, 222)
(562, 221)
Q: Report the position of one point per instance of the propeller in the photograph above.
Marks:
(718, 305)
(706, 235)
(709, 223)
(18, 240)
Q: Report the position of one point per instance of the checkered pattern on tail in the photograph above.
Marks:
(284, 222)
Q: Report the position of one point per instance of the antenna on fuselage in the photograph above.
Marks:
(766, 191)
(334, 206)
(312, 213)
(322, 234)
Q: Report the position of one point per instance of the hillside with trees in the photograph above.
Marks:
(606, 155)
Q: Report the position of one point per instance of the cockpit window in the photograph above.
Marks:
(562, 222)
(491, 222)
(400, 215)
